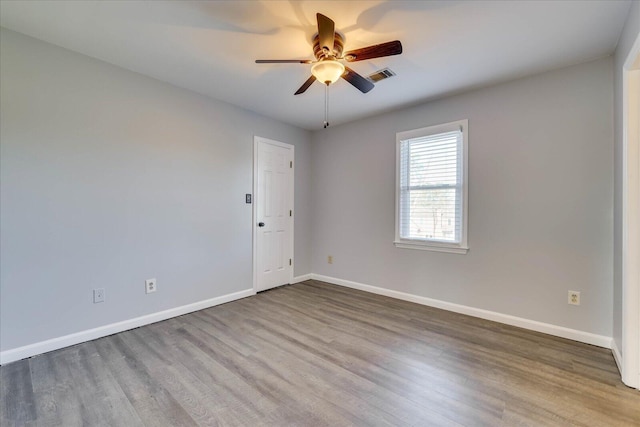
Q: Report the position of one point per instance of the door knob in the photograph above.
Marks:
(261, 224)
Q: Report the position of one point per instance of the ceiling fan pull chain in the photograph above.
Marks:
(326, 106)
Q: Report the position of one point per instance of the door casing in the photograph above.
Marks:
(631, 218)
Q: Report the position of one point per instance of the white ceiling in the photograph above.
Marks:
(210, 46)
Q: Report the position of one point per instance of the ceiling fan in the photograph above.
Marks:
(327, 68)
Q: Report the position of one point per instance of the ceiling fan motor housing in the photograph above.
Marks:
(338, 45)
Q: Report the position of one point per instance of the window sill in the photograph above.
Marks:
(431, 247)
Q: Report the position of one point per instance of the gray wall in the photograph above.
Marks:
(540, 203)
(109, 178)
(628, 37)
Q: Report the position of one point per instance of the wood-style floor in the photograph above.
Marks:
(314, 354)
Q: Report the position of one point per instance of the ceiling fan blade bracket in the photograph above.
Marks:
(283, 61)
(359, 82)
(306, 85)
(326, 33)
(375, 51)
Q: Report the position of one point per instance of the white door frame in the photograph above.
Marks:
(631, 218)
(254, 219)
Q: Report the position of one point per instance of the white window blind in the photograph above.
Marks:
(431, 193)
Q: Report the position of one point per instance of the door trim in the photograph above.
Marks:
(254, 218)
(630, 222)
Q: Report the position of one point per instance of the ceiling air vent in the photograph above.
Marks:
(385, 73)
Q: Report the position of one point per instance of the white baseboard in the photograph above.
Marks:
(19, 353)
(547, 328)
(24, 352)
(302, 278)
(617, 355)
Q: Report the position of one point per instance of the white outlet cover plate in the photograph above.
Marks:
(150, 285)
(570, 300)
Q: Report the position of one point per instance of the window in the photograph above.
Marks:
(431, 188)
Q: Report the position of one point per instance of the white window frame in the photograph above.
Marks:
(433, 244)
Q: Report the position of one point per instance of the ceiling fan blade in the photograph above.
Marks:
(283, 61)
(326, 32)
(375, 51)
(306, 85)
(362, 84)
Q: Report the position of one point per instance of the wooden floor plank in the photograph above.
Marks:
(16, 392)
(152, 402)
(314, 354)
(99, 394)
(56, 399)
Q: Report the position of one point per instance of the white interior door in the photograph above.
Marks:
(273, 213)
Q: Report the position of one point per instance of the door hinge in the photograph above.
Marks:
(290, 212)
(289, 261)
(291, 164)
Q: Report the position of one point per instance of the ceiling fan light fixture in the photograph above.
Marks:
(327, 71)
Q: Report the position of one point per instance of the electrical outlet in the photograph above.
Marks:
(98, 295)
(330, 259)
(150, 285)
(574, 298)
